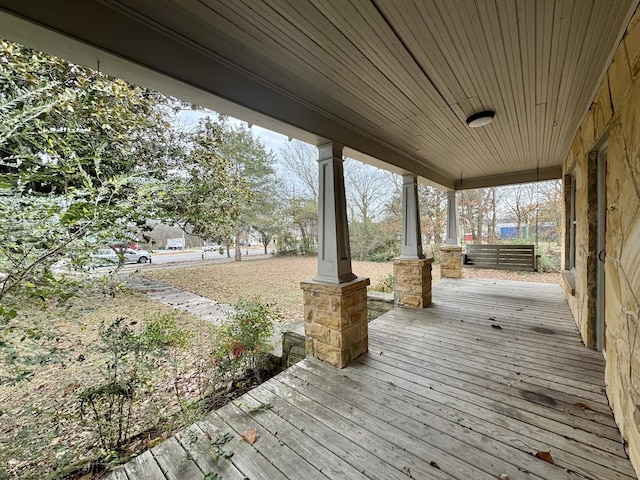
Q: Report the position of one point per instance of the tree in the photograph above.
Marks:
(474, 206)
(249, 159)
(301, 160)
(204, 194)
(367, 190)
(87, 160)
(433, 217)
(301, 205)
(522, 206)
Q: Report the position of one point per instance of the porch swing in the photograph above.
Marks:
(506, 257)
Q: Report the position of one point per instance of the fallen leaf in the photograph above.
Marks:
(497, 327)
(546, 456)
(434, 465)
(582, 406)
(250, 436)
(491, 319)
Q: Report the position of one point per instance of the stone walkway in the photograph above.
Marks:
(202, 307)
(214, 312)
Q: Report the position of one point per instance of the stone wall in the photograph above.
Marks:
(378, 303)
(614, 116)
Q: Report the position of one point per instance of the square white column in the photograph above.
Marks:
(411, 234)
(334, 255)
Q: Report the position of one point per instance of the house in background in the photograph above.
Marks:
(398, 85)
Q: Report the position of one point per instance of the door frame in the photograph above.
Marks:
(601, 256)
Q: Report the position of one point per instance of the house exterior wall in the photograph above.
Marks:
(614, 117)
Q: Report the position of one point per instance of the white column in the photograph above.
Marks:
(334, 255)
(453, 238)
(411, 234)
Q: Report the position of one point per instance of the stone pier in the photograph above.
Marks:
(413, 282)
(335, 317)
(451, 263)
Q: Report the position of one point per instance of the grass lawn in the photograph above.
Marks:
(275, 280)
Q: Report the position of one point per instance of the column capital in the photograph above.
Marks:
(330, 150)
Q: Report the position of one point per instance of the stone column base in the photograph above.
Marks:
(335, 319)
(412, 282)
(451, 265)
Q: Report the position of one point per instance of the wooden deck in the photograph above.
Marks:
(467, 389)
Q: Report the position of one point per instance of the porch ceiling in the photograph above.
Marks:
(393, 81)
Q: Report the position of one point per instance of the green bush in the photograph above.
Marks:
(385, 285)
(133, 356)
(549, 262)
(242, 344)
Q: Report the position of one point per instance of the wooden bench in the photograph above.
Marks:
(501, 257)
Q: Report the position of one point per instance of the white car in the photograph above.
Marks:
(210, 248)
(108, 256)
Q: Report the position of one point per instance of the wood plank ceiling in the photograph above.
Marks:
(408, 73)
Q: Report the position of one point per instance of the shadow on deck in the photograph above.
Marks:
(470, 388)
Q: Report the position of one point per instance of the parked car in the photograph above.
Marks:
(106, 256)
(210, 248)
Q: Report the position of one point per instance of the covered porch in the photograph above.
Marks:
(471, 388)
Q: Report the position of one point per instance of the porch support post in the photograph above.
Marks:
(412, 270)
(411, 234)
(335, 300)
(453, 237)
(451, 263)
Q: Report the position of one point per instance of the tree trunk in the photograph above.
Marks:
(238, 252)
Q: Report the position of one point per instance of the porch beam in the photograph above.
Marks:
(541, 175)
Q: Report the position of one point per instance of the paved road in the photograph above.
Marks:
(164, 256)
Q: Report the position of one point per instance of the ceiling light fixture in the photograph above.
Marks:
(481, 119)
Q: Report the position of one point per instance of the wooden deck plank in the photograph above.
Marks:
(580, 429)
(515, 434)
(174, 461)
(418, 455)
(245, 457)
(496, 352)
(596, 411)
(314, 452)
(144, 466)
(377, 456)
(484, 366)
(463, 442)
(282, 456)
(435, 397)
(198, 447)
